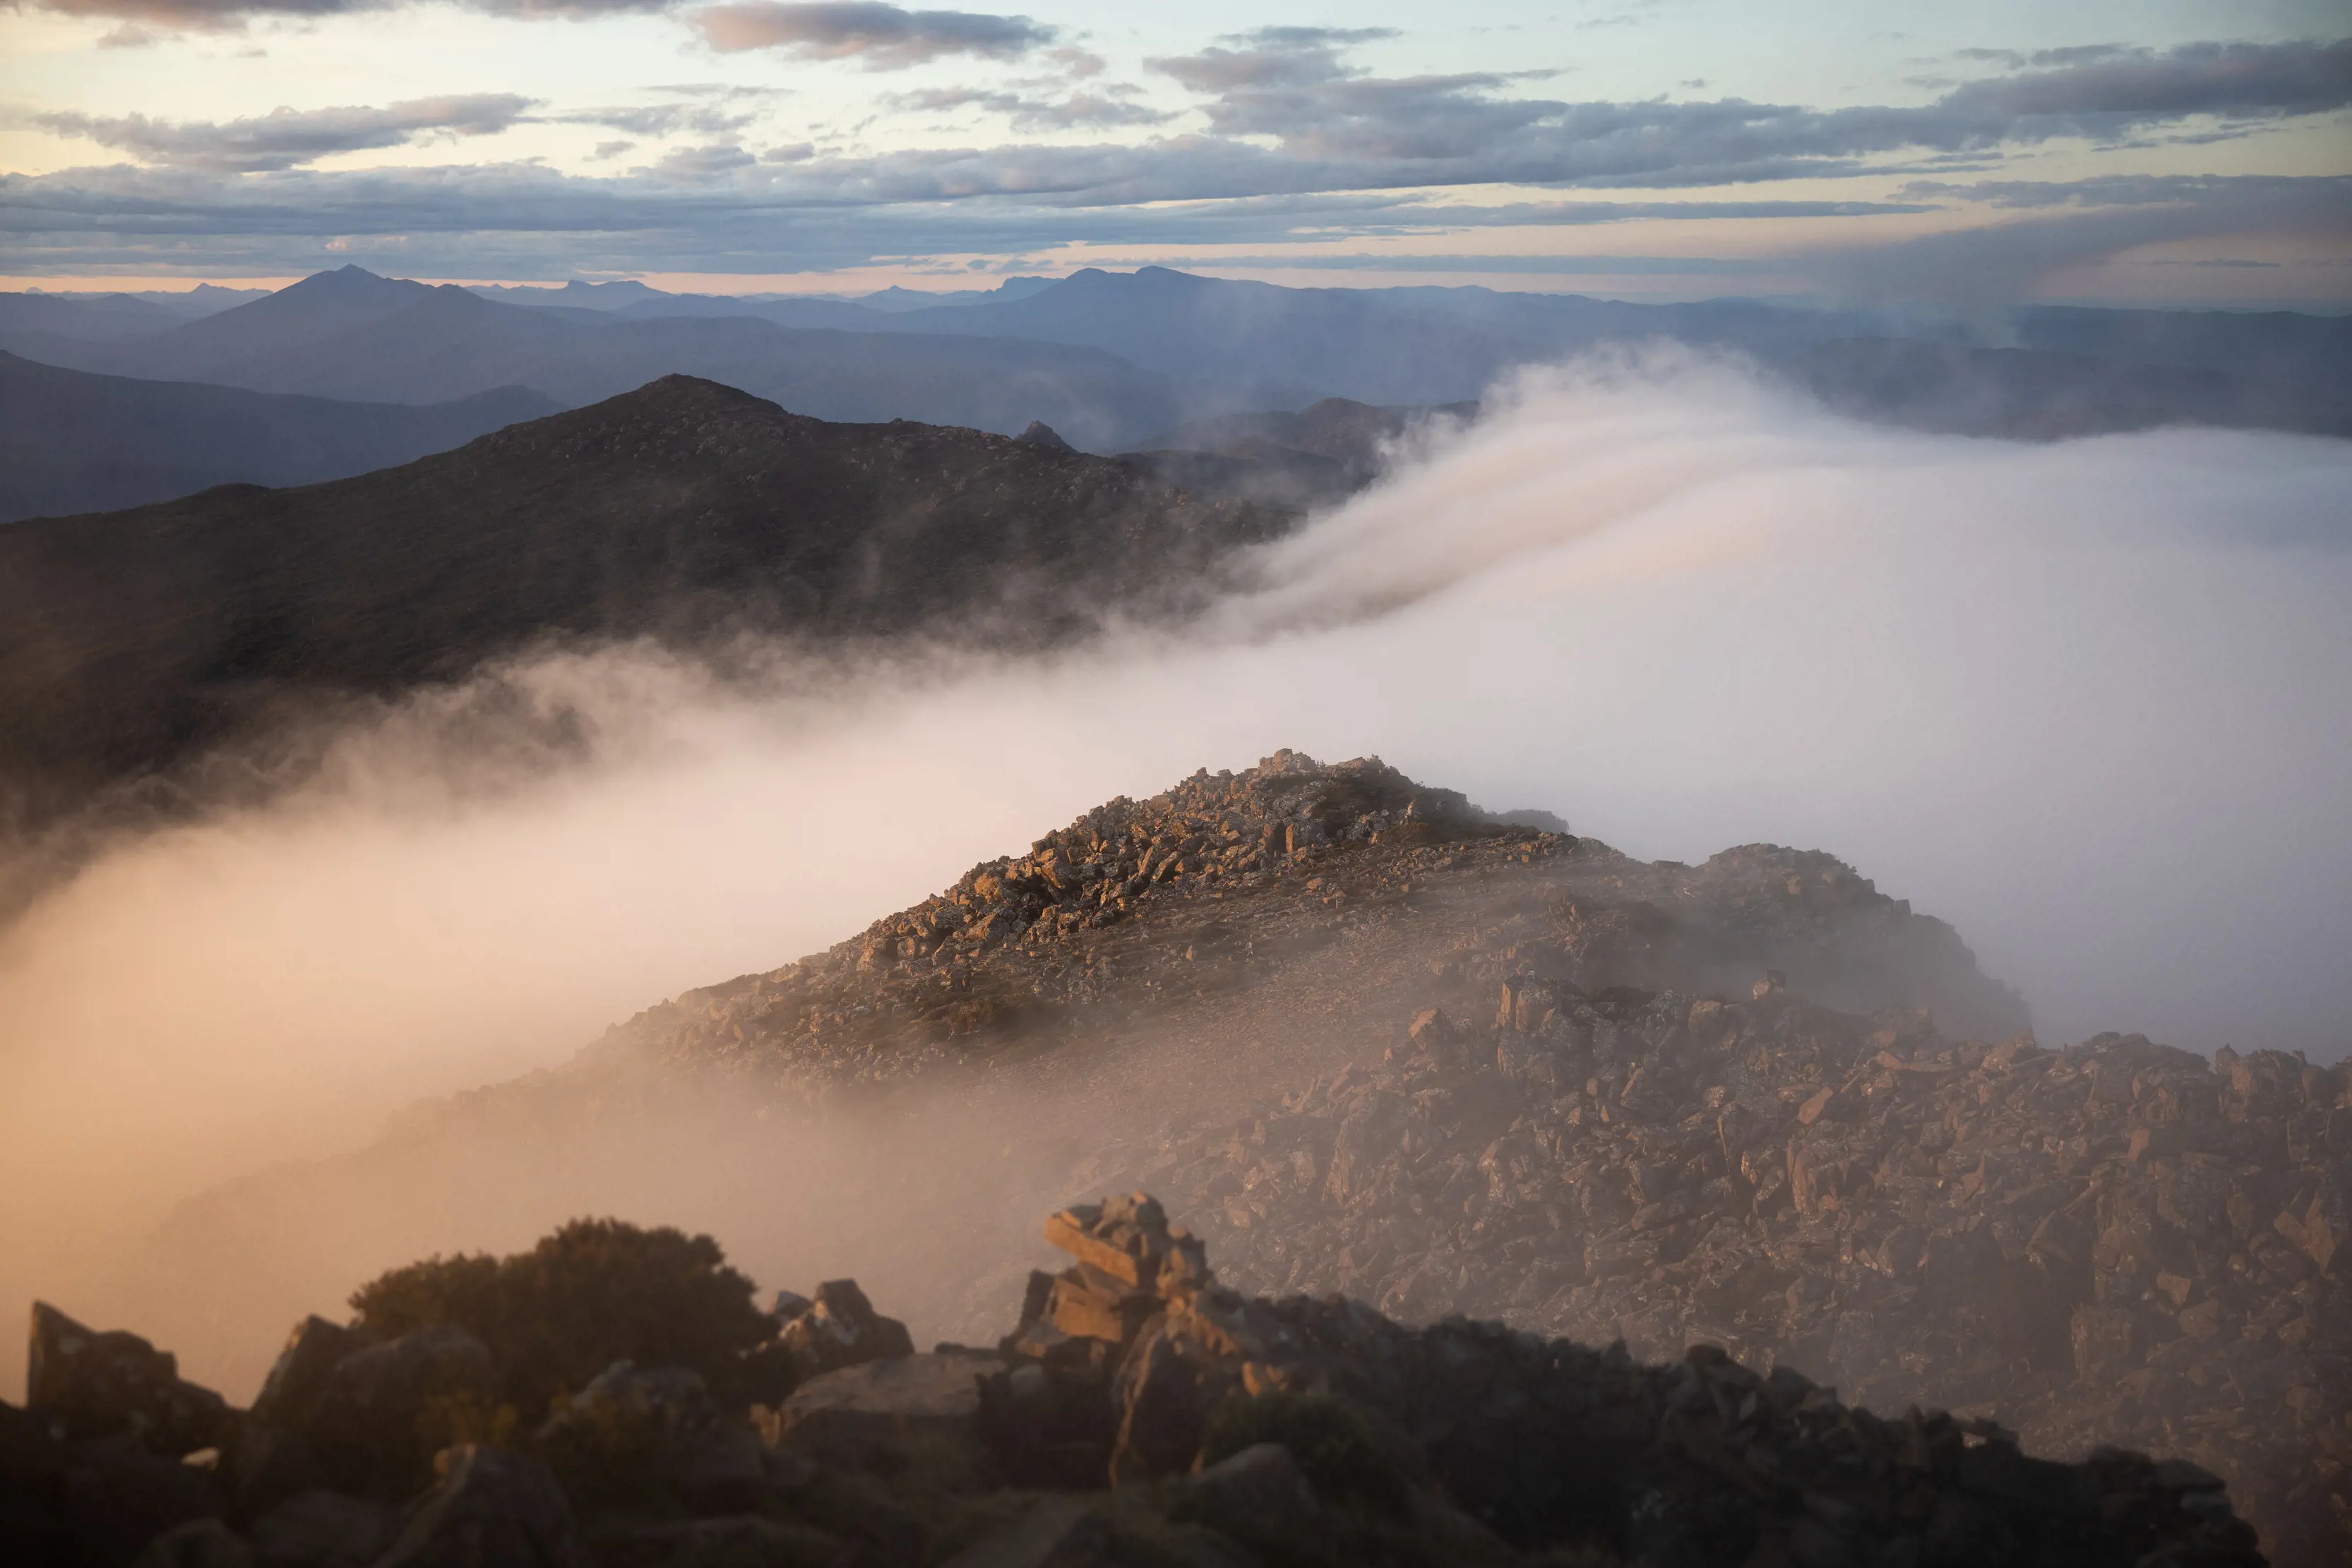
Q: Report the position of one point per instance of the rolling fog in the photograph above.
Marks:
(2091, 702)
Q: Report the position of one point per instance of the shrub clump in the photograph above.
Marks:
(1334, 1445)
(593, 1293)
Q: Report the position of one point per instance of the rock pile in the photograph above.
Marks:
(1140, 1413)
(2115, 1243)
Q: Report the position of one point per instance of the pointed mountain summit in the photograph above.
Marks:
(320, 306)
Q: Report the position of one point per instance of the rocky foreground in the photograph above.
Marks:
(1139, 1413)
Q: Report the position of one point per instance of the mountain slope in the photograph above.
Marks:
(1320, 455)
(100, 316)
(2090, 371)
(682, 510)
(74, 442)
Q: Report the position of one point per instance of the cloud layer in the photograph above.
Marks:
(287, 136)
(1285, 137)
(880, 37)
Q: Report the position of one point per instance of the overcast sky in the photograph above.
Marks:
(2161, 151)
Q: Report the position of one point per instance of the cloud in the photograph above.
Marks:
(1270, 57)
(216, 15)
(1296, 88)
(659, 118)
(2073, 225)
(1299, 143)
(882, 37)
(1078, 111)
(2138, 85)
(285, 138)
(799, 210)
(697, 164)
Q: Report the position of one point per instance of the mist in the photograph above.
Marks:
(2089, 700)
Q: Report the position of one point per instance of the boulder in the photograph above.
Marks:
(840, 1329)
(1162, 1396)
(199, 1543)
(115, 1500)
(370, 1429)
(927, 1402)
(320, 1529)
(674, 1432)
(489, 1509)
(1259, 1497)
(743, 1541)
(82, 1384)
(297, 1379)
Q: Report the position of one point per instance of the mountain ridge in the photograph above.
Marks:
(683, 511)
(73, 441)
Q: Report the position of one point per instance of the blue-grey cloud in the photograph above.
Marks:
(285, 138)
(2138, 85)
(880, 37)
(209, 16)
(716, 209)
(1072, 111)
(660, 119)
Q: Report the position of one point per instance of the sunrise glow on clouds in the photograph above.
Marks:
(2124, 153)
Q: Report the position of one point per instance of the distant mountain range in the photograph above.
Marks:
(74, 442)
(1112, 359)
(684, 510)
(352, 335)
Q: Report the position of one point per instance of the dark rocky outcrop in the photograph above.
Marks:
(1207, 1428)
(82, 1384)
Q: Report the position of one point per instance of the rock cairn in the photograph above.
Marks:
(2117, 1242)
(1700, 1460)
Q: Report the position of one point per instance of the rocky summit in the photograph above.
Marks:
(1139, 1412)
(1334, 896)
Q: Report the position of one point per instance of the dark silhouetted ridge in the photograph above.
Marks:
(682, 511)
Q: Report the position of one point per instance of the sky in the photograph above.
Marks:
(2167, 152)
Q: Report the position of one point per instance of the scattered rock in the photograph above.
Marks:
(488, 1506)
(82, 1384)
(1040, 434)
(897, 1407)
(1260, 1498)
(199, 1543)
(320, 1529)
(840, 1329)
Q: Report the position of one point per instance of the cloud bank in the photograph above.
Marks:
(1285, 140)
